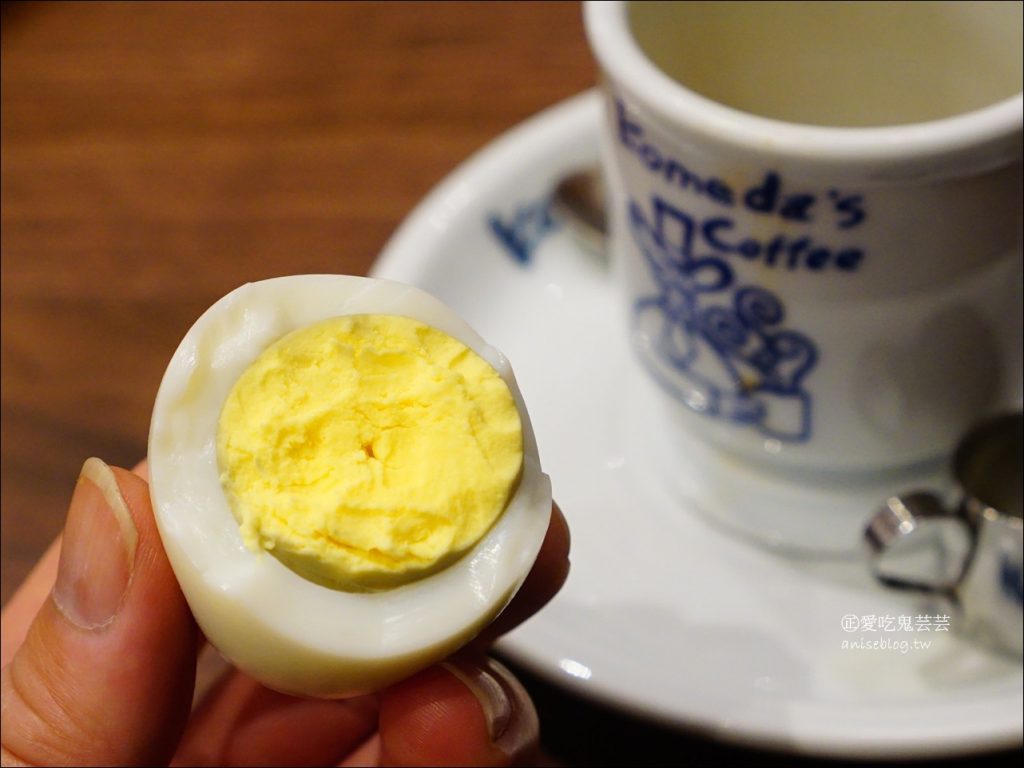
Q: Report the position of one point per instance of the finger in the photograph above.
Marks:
(546, 577)
(367, 753)
(469, 710)
(23, 606)
(241, 722)
(104, 675)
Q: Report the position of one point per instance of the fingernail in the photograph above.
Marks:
(97, 550)
(509, 713)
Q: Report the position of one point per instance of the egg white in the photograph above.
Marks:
(291, 634)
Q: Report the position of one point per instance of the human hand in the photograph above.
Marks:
(99, 658)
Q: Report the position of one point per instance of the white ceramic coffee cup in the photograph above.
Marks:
(837, 299)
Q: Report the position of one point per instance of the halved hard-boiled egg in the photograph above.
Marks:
(345, 480)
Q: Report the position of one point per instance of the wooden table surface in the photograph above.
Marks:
(157, 155)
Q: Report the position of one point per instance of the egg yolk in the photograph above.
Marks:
(368, 451)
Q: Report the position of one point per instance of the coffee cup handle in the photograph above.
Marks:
(896, 520)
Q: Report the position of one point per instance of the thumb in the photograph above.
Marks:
(105, 674)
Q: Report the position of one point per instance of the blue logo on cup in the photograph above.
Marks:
(720, 348)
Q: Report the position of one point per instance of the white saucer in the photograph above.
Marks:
(665, 614)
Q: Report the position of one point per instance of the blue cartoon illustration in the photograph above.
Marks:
(1011, 577)
(718, 347)
(521, 232)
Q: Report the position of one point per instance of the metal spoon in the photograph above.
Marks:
(579, 200)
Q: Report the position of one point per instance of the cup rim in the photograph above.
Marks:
(974, 141)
